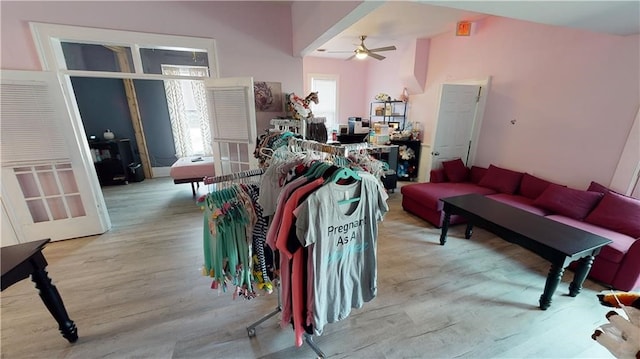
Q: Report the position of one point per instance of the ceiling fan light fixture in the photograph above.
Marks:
(361, 55)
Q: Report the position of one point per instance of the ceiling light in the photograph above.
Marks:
(361, 55)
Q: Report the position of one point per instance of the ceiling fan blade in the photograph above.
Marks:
(375, 56)
(386, 48)
(350, 57)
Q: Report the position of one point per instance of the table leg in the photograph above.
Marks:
(193, 189)
(445, 228)
(52, 300)
(553, 279)
(584, 265)
(469, 231)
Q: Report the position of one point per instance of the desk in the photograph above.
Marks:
(556, 242)
(23, 260)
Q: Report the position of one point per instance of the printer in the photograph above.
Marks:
(357, 126)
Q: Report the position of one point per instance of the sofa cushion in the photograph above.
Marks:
(456, 170)
(437, 176)
(430, 193)
(532, 186)
(518, 202)
(567, 201)
(618, 213)
(501, 179)
(597, 187)
(477, 173)
(614, 251)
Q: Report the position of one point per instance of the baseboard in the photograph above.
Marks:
(161, 171)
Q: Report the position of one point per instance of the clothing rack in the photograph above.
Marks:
(233, 176)
(337, 150)
(308, 338)
(342, 150)
(291, 125)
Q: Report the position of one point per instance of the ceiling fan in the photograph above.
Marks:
(361, 52)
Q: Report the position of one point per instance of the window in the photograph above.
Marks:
(187, 102)
(327, 88)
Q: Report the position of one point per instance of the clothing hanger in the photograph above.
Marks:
(346, 173)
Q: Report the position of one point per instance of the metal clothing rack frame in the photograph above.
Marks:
(337, 150)
(233, 176)
(251, 329)
(295, 126)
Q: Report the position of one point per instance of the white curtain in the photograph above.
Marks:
(186, 120)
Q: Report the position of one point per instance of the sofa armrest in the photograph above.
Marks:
(438, 176)
(628, 275)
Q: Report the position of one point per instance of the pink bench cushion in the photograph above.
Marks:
(185, 168)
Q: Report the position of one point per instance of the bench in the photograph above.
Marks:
(192, 170)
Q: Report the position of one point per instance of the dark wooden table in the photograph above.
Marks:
(23, 260)
(556, 242)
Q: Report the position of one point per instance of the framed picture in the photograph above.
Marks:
(394, 126)
(268, 96)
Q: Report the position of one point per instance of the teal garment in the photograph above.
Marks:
(227, 251)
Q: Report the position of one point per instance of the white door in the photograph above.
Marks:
(46, 178)
(455, 121)
(232, 115)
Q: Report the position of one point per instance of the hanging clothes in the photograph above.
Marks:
(342, 244)
(234, 229)
(313, 233)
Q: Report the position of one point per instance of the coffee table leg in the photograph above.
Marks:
(584, 265)
(553, 279)
(445, 228)
(52, 300)
(469, 231)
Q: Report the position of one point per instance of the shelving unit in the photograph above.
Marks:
(388, 154)
(407, 169)
(112, 159)
(388, 111)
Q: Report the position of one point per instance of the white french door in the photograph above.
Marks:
(47, 180)
(455, 122)
(232, 117)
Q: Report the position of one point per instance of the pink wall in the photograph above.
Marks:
(253, 38)
(352, 91)
(312, 20)
(574, 95)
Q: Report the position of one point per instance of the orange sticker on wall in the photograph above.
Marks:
(463, 28)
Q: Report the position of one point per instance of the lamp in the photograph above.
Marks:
(361, 55)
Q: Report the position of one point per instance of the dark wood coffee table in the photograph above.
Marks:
(26, 259)
(556, 242)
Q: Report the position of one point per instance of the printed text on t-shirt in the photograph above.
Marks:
(345, 232)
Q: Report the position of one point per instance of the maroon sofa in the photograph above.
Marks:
(597, 210)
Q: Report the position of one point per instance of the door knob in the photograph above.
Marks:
(435, 153)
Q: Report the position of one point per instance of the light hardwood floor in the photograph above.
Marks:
(137, 292)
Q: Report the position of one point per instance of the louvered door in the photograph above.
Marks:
(46, 190)
(233, 124)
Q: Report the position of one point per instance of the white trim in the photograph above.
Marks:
(625, 176)
(161, 171)
(485, 84)
(47, 40)
(333, 77)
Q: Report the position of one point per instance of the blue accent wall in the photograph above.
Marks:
(154, 112)
(103, 105)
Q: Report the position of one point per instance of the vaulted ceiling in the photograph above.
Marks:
(399, 21)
